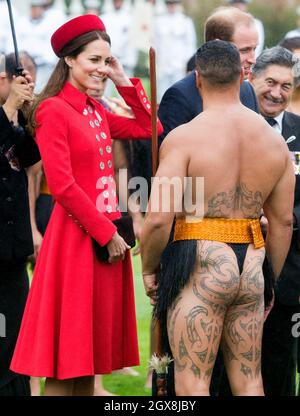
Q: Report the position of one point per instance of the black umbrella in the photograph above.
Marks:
(19, 69)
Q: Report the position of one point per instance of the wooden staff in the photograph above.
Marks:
(153, 110)
(156, 333)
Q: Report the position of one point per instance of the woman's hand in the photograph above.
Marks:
(37, 242)
(116, 73)
(117, 247)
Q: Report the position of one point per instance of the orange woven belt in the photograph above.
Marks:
(221, 229)
(44, 190)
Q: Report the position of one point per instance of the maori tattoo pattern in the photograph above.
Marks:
(241, 199)
(218, 306)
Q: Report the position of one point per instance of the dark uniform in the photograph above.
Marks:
(279, 346)
(17, 151)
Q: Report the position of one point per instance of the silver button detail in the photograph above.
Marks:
(105, 194)
(109, 164)
(144, 99)
(108, 149)
(103, 135)
(111, 179)
(142, 92)
(96, 122)
(148, 106)
(92, 124)
(108, 208)
(98, 137)
(90, 109)
(101, 151)
(102, 166)
(104, 180)
(85, 112)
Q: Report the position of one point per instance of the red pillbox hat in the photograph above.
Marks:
(74, 28)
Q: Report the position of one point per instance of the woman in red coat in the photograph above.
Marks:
(80, 317)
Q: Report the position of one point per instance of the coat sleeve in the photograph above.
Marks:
(288, 285)
(26, 149)
(52, 138)
(6, 131)
(139, 127)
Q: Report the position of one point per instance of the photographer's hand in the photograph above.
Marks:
(20, 93)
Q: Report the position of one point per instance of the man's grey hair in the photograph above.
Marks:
(276, 56)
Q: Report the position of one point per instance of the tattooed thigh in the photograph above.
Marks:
(243, 324)
(195, 320)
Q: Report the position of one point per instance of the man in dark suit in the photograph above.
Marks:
(273, 82)
(182, 101)
(18, 150)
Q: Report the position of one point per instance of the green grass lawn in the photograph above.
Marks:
(122, 385)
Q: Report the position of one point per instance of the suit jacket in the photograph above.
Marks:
(288, 284)
(182, 102)
(17, 151)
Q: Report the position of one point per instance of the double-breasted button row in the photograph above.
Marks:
(106, 193)
(94, 123)
(108, 150)
(105, 179)
(102, 134)
(102, 165)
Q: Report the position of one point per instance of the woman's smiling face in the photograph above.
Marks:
(89, 68)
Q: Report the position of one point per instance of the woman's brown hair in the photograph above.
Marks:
(60, 74)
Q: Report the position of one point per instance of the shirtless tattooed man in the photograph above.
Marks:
(212, 286)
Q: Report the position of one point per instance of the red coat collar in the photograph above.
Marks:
(75, 98)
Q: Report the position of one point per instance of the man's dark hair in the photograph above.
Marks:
(191, 64)
(290, 43)
(10, 63)
(274, 56)
(218, 63)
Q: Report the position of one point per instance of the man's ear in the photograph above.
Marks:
(242, 76)
(198, 80)
(251, 77)
(2, 76)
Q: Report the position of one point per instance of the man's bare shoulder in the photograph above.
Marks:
(177, 139)
(255, 124)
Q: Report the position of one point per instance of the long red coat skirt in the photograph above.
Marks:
(79, 319)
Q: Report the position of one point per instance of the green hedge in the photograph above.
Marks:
(277, 17)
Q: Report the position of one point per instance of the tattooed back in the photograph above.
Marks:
(238, 154)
